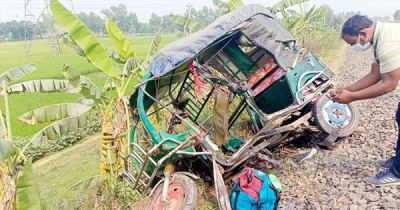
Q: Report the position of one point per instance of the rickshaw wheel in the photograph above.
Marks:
(182, 194)
(328, 115)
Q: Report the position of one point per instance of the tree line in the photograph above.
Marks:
(128, 22)
(125, 20)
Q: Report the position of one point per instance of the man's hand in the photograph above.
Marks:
(333, 93)
(341, 95)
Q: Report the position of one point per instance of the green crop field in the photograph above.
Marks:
(12, 54)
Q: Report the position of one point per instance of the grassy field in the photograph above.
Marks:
(12, 54)
(57, 173)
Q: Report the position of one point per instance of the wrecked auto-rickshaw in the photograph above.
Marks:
(214, 99)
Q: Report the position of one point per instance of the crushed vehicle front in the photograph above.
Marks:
(243, 81)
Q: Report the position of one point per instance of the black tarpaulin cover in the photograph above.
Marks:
(263, 30)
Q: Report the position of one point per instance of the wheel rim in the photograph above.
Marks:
(176, 197)
(336, 114)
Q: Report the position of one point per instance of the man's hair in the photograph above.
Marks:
(355, 24)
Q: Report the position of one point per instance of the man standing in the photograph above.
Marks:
(361, 33)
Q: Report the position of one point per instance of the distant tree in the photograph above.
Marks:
(330, 15)
(132, 23)
(169, 26)
(380, 18)
(396, 15)
(119, 15)
(206, 15)
(17, 29)
(144, 28)
(93, 21)
(155, 22)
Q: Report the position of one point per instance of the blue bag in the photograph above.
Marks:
(253, 190)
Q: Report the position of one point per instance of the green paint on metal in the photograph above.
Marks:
(240, 59)
(143, 116)
(254, 118)
(233, 144)
(275, 98)
(308, 63)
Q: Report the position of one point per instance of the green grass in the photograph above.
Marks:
(57, 173)
(12, 54)
(21, 103)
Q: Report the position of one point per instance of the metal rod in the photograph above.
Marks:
(236, 113)
(179, 117)
(160, 162)
(193, 153)
(205, 101)
(159, 109)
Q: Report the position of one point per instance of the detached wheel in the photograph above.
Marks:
(328, 115)
(182, 194)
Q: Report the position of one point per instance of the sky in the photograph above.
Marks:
(14, 9)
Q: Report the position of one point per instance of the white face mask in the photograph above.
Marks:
(359, 47)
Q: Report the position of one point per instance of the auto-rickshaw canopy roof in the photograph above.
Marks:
(262, 29)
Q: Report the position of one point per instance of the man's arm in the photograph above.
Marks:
(387, 84)
(368, 80)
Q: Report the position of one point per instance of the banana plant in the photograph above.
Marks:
(227, 7)
(300, 24)
(18, 186)
(129, 69)
(195, 25)
(234, 4)
(186, 22)
(72, 114)
(281, 6)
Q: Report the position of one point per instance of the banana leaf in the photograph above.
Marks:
(7, 149)
(28, 194)
(234, 4)
(85, 101)
(119, 39)
(155, 43)
(111, 158)
(84, 38)
(42, 86)
(220, 4)
(283, 4)
(179, 33)
(131, 65)
(293, 13)
(115, 56)
(91, 91)
(17, 72)
(54, 112)
(187, 22)
(153, 49)
(59, 128)
(71, 75)
(88, 182)
(109, 84)
(86, 87)
(53, 26)
(67, 40)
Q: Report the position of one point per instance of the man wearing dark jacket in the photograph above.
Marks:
(384, 38)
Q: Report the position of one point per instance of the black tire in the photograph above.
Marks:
(323, 122)
(180, 181)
